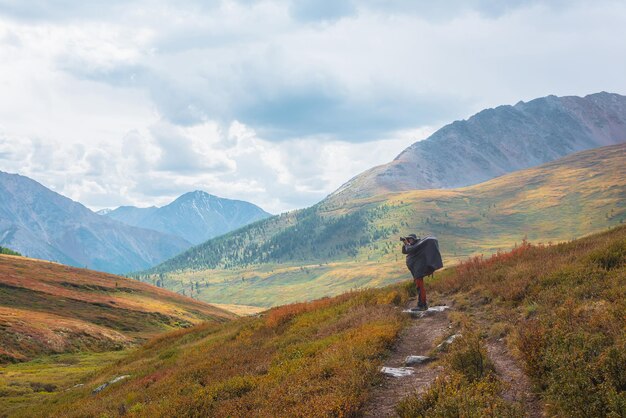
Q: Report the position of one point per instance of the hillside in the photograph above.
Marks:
(195, 216)
(48, 308)
(330, 248)
(560, 307)
(498, 141)
(40, 223)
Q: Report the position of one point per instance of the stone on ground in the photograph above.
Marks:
(447, 342)
(397, 371)
(429, 311)
(412, 360)
(110, 382)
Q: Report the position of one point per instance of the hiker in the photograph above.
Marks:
(422, 259)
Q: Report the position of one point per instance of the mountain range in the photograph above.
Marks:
(498, 141)
(195, 216)
(40, 223)
(351, 235)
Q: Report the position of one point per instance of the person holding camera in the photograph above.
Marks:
(422, 259)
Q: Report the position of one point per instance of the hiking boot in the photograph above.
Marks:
(420, 308)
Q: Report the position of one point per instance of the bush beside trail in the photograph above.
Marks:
(564, 308)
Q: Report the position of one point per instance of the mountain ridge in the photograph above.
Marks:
(194, 216)
(41, 223)
(496, 141)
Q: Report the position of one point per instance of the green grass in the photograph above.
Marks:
(270, 285)
(40, 379)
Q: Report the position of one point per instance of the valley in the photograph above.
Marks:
(553, 312)
(338, 245)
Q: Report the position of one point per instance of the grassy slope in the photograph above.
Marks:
(308, 254)
(562, 307)
(51, 308)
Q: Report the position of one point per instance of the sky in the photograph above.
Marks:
(277, 102)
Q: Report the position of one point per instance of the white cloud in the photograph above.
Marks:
(277, 102)
(164, 161)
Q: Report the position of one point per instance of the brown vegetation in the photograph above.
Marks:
(308, 359)
(559, 308)
(51, 308)
(566, 308)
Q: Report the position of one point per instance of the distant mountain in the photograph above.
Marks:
(498, 141)
(40, 223)
(195, 216)
(130, 215)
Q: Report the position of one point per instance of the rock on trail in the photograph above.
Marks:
(399, 379)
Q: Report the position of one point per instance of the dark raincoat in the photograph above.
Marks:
(423, 257)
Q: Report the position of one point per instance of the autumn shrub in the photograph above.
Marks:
(613, 256)
(467, 356)
(282, 314)
(565, 305)
(575, 353)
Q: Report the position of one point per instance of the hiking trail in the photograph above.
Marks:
(519, 387)
(417, 339)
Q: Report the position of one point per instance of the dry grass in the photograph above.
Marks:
(239, 310)
(566, 308)
(308, 359)
(50, 308)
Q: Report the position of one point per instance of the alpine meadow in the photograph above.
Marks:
(296, 208)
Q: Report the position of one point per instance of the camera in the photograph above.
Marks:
(402, 239)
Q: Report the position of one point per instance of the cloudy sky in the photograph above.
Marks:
(277, 102)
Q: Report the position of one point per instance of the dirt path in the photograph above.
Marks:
(519, 386)
(417, 339)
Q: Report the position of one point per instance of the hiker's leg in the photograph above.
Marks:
(421, 291)
(417, 288)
